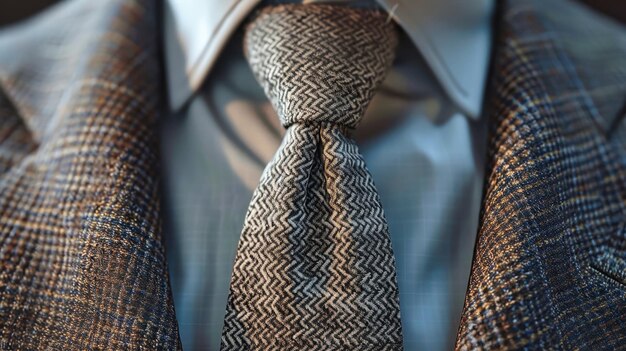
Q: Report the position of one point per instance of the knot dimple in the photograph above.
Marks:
(320, 63)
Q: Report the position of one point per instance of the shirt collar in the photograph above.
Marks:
(453, 36)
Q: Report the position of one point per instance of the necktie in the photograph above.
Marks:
(314, 268)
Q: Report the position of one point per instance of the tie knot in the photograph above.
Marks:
(320, 63)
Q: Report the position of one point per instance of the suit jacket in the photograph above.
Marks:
(81, 252)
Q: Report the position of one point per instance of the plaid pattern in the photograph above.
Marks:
(314, 268)
(82, 265)
(550, 259)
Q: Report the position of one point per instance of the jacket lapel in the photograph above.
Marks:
(83, 266)
(549, 252)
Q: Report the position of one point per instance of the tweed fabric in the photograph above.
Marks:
(82, 264)
(314, 268)
(550, 259)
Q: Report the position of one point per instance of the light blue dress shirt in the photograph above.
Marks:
(423, 144)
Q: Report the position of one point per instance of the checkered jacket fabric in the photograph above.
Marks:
(549, 269)
(82, 265)
(82, 262)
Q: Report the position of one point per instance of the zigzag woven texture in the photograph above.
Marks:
(314, 268)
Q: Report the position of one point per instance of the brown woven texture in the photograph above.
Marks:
(83, 267)
(549, 270)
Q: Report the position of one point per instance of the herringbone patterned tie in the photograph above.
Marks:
(314, 269)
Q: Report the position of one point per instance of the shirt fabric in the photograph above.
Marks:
(425, 152)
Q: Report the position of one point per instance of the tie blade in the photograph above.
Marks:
(314, 267)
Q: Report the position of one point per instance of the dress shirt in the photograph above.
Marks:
(423, 139)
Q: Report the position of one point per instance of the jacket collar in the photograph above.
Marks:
(454, 38)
